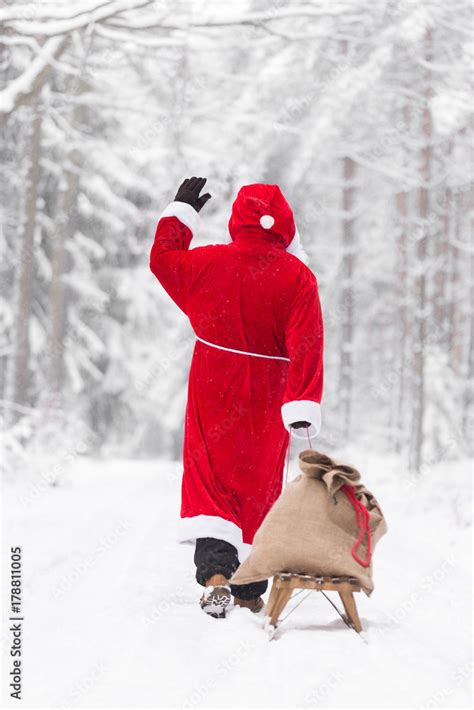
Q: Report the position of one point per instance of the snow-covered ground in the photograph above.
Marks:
(112, 619)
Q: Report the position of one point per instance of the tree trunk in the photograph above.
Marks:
(60, 258)
(467, 412)
(347, 296)
(442, 255)
(19, 366)
(420, 316)
(58, 293)
(401, 333)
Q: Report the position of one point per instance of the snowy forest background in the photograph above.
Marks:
(359, 109)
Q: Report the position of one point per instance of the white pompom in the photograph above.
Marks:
(267, 221)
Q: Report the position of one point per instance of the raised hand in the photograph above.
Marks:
(189, 190)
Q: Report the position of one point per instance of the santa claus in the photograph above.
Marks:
(256, 375)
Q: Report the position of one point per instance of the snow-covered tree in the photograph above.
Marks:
(359, 110)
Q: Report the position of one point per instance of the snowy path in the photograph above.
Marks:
(111, 615)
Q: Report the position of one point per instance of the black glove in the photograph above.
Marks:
(300, 425)
(189, 192)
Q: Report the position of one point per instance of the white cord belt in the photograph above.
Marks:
(242, 352)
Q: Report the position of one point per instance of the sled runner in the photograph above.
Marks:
(285, 583)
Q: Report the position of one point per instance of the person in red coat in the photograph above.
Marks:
(256, 373)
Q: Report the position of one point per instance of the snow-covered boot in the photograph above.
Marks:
(255, 605)
(216, 596)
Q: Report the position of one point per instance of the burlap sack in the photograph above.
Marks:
(317, 526)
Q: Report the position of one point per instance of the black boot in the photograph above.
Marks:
(216, 597)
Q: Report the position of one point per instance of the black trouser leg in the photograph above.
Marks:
(214, 556)
(254, 590)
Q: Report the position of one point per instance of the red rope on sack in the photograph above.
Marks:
(363, 522)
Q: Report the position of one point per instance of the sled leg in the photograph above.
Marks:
(350, 608)
(282, 596)
(272, 598)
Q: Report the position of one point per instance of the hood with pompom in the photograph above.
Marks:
(263, 210)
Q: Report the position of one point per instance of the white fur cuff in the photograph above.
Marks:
(189, 529)
(302, 410)
(185, 213)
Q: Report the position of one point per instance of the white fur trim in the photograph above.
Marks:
(267, 221)
(302, 410)
(213, 526)
(185, 213)
(295, 247)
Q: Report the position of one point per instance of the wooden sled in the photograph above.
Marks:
(285, 583)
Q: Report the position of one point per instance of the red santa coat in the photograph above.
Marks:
(257, 364)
